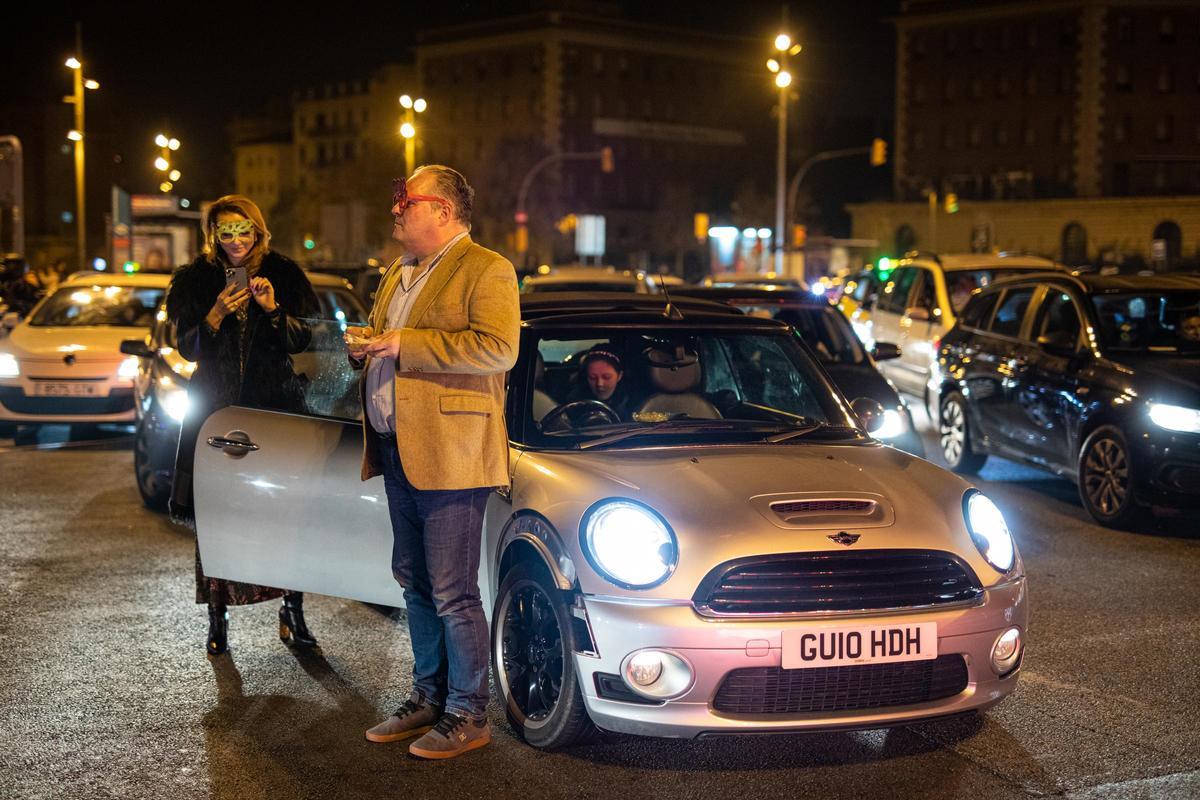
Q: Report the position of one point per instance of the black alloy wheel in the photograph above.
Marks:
(954, 434)
(149, 480)
(533, 653)
(1106, 479)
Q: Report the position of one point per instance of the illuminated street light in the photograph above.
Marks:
(406, 101)
(175, 175)
(160, 140)
(73, 63)
(75, 136)
(778, 66)
(783, 42)
(795, 50)
(166, 145)
(783, 80)
(165, 186)
(173, 144)
(91, 84)
(419, 105)
(772, 65)
(161, 164)
(408, 129)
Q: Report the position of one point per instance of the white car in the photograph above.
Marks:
(589, 279)
(63, 363)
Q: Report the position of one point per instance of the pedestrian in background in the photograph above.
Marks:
(442, 335)
(241, 340)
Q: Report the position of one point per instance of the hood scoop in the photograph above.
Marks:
(813, 510)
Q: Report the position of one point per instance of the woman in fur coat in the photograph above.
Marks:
(241, 340)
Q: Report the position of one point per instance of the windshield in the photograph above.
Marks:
(1151, 321)
(960, 283)
(823, 328)
(120, 306)
(592, 384)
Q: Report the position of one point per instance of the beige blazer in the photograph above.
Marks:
(455, 352)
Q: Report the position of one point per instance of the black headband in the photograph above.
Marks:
(604, 354)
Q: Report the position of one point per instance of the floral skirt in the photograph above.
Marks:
(215, 591)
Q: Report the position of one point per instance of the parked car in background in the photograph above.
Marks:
(756, 279)
(921, 300)
(579, 278)
(162, 379)
(1094, 378)
(734, 554)
(828, 334)
(364, 278)
(63, 363)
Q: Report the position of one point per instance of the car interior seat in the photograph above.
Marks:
(675, 377)
(542, 403)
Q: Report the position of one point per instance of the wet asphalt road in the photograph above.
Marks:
(105, 690)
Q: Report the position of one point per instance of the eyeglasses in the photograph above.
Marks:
(227, 232)
(403, 200)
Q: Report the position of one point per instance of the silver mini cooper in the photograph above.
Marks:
(715, 546)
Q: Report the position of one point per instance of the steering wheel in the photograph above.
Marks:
(578, 411)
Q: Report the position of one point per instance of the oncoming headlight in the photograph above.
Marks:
(9, 366)
(1175, 418)
(894, 424)
(989, 531)
(173, 398)
(128, 368)
(629, 543)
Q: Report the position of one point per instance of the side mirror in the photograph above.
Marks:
(10, 320)
(136, 347)
(1059, 343)
(885, 350)
(870, 412)
(917, 314)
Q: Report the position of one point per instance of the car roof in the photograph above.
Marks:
(152, 279)
(544, 304)
(574, 274)
(954, 262)
(327, 280)
(1108, 284)
(764, 296)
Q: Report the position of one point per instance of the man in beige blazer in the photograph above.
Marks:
(442, 335)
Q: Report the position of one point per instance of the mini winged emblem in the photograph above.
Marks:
(845, 538)
(69, 359)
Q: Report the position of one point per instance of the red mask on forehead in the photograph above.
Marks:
(402, 198)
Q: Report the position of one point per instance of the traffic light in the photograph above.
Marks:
(950, 203)
(799, 236)
(700, 226)
(309, 242)
(884, 268)
(522, 239)
(606, 159)
(878, 153)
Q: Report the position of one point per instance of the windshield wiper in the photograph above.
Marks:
(667, 426)
(809, 429)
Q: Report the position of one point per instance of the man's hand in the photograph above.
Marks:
(264, 294)
(356, 338)
(385, 345)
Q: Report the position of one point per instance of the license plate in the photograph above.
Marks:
(64, 389)
(860, 644)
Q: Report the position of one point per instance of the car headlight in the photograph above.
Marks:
(989, 531)
(1175, 418)
(894, 424)
(629, 544)
(173, 398)
(9, 368)
(128, 368)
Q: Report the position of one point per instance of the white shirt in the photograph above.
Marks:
(381, 372)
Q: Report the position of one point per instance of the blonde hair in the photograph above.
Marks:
(242, 206)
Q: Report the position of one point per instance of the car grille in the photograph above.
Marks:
(16, 401)
(861, 580)
(823, 507)
(772, 690)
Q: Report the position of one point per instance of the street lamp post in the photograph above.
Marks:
(167, 145)
(82, 84)
(783, 79)
(408, 129)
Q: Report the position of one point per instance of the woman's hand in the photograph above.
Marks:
(264, 294)
(230, 300)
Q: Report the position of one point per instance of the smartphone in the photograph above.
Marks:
(238, 277)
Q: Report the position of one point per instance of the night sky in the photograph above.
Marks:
(191, 67)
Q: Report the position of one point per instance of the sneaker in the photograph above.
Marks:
(452, 736)
(412, 718)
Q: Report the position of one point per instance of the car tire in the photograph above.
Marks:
(154, 495)
(954, 435)
(532, 648)
(1106, 479)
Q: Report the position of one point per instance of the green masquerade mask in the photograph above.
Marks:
(239, 229)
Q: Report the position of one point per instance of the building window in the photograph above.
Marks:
(598, 62)
(597, 104)
(1006, 37)
(1064, 174)
(977, 39)
(1029, 134)
(919, 95)
(1125, 29)
(1000, 134)
(1063, 131)
(1066, 79)
(1031, 35)
(1074, 244)
(976, 88)
(947, 137)
(1031, 83)
(951, 41)
(975, 134)
(571, 103)
(1002, 86)
(1123, 128)
(951, 89)
(1166, 79)
(920, 44)
(1163, 130)
(919, 139)
(1124, 78)
(1166, 29)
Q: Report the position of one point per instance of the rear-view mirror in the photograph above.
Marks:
(136, 347)
(885, 350)
(869, 411)
(917, 314)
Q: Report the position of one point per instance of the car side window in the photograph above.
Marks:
(867, 291)
(894, 297)
(1058, 316)
(979, 310)
(1008, 317)
(925, 295)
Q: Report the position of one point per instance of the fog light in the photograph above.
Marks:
(657, 674)
(645, 668)
(1006, 651)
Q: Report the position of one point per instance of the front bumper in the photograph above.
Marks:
(112, 401)
(715, 647)
(1171, 476)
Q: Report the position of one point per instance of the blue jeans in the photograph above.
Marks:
(435, 557)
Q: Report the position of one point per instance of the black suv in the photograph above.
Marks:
(1094, 378)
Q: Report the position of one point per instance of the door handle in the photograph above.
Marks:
(234, 443)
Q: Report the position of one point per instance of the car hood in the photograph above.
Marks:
(718, 502)
(863, 380)
(1171, 379)
(87, 343)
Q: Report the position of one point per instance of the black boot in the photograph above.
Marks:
(292, 629)
(218, 630)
